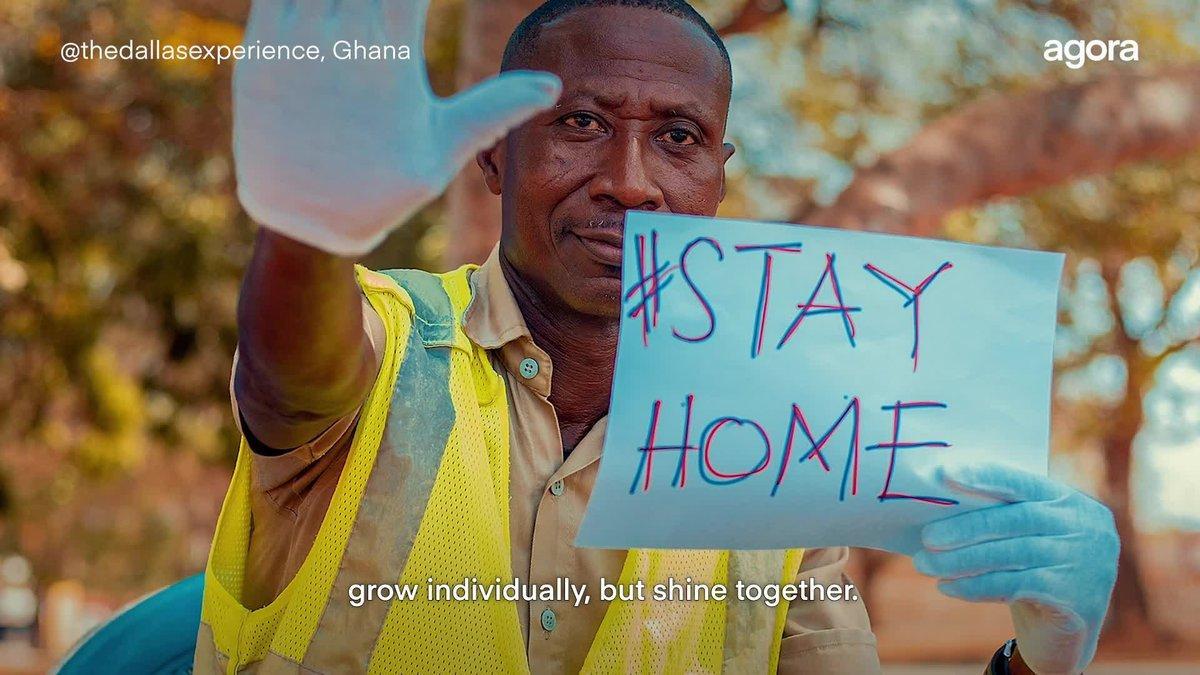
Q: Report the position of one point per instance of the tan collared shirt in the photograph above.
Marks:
(549, 495)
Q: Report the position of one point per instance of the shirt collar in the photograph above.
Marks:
(493, 320)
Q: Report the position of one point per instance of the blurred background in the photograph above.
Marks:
(122, 242)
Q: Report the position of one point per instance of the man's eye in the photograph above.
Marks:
(582, 121)
(678, 136)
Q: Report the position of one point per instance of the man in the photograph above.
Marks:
(411, 428)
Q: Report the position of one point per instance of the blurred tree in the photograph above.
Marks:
(120, 249)
(1128, 307)
(1007, 145)
(1011, 145)
(1019, 143)
(1137, 233)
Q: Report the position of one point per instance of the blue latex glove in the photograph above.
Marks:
(336, 153)
(1048, 551)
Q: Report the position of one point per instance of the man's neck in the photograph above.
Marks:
(583, 350)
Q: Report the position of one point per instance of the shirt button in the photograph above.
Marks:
(549, 621)
(529, 368)
(556, 488)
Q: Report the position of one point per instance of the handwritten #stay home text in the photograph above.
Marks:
(783, 386)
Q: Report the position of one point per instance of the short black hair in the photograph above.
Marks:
(523, 38)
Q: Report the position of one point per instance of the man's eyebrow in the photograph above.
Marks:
(681, 110)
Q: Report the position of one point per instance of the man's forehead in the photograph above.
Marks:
(630, 42)
(660, 98)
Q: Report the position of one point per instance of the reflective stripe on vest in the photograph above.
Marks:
(424, 494)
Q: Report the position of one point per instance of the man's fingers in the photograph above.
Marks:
(1020, 553)
(480, 116)
(264, 20)
(308, 22)
(1025, 519)
(1005, 483)
(359, 19)
(312, 10)
(1031, 584)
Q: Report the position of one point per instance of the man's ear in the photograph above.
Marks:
(728, 149)
(490, 160)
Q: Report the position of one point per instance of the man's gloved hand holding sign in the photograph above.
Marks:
(1048, 551)
(336, 153)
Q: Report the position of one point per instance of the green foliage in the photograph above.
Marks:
(121, 249)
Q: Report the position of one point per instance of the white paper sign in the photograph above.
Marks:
(786, 386)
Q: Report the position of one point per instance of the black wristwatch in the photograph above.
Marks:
(1000, 660)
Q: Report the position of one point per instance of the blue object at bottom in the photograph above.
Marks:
(156, 634)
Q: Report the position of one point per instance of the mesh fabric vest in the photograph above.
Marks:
(424, 495)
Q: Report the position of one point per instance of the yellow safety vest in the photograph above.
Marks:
(424, 495)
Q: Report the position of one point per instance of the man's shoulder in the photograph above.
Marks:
(411, 280)
(436, 301)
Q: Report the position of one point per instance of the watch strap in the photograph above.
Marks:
(1000, 660)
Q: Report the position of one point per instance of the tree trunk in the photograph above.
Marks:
(1010, 145)
(473, 213)
(1129, 613)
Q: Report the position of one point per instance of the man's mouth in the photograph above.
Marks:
(603, 244)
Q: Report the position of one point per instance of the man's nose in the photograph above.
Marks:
(624, 177)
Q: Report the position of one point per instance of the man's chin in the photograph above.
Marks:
(598, 297)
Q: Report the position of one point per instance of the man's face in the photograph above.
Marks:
(640, 125)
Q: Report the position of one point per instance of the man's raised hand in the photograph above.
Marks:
(335, 153)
